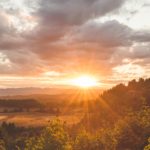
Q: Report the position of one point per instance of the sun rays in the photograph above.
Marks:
(84, 81)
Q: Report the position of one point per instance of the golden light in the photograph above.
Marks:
(84, 81)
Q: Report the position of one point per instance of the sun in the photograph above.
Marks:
(84, 81)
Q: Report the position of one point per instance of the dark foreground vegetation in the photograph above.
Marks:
(118, 120)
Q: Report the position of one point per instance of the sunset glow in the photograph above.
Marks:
(45, 44)
(74, 74)
(84, 81)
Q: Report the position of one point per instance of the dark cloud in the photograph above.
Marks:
(20, 62)
(141, 36)
(8, 42)
(74, 12)
(141, 51)
(4, 25)
(57, 17)
(108, 34)
(66, 36)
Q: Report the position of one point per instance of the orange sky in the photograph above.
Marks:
(45, 43)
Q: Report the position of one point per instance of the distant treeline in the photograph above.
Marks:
(27, 103)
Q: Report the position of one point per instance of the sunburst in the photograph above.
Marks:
(84, 81)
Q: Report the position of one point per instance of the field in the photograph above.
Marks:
(37, 119)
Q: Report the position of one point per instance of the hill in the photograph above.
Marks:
(118, 102)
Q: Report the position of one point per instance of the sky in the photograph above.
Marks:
(43, 43)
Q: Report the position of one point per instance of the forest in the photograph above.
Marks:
(117, 120)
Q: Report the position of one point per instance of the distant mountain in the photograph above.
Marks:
(28, 91)
(31, 91)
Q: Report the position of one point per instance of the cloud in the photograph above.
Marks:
(69, 36)
(70, 12)
(4, 25)
(57, 17)
(107, 34)
(141, 36)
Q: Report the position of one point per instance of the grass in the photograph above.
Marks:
(37, 119)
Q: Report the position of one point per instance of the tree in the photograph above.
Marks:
(54, 137)
(84, 141)
(132, 131)
(148, 146)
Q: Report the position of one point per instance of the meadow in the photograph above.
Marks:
(36, 119)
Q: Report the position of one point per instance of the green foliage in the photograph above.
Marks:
(106, 139)
(148, 146)
(54, 137)
(84, 140)
(133, 131)
(130, 132)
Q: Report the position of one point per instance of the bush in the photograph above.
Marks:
(148, 146)
(54, 137)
